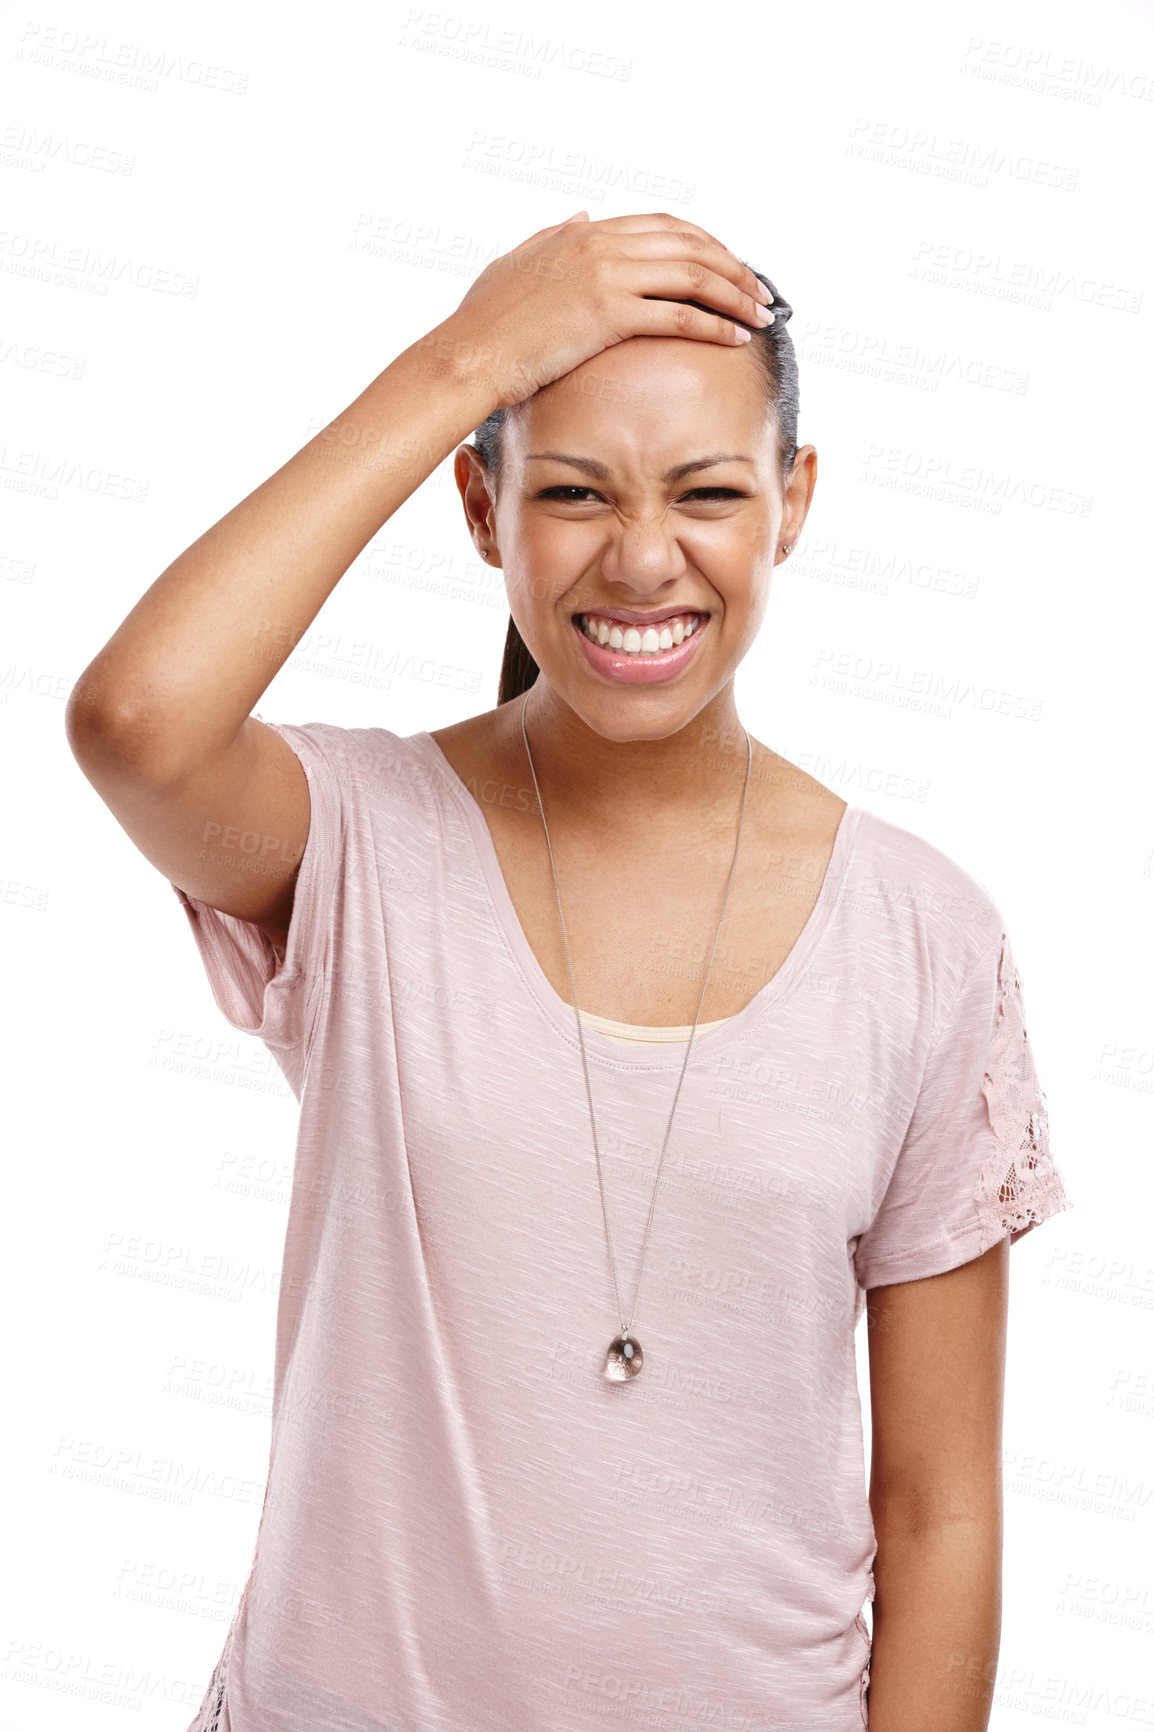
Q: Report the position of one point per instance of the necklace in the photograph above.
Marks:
(624, 1358)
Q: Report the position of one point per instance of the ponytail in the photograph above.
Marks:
(518, 669)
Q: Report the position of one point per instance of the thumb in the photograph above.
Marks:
(577, 218)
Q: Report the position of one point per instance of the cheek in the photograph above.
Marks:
(750, 604)
(541, 563)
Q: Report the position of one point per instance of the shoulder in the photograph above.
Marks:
(901, 879)
(373, 761)
(794, 820)
(895, 885)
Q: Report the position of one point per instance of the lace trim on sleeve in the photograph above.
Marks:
(1019, 1184)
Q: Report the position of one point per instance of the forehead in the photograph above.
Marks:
(649, 395)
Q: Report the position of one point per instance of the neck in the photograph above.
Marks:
(581, 770)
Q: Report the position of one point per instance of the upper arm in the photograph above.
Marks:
(229, 830)
(937, 1352)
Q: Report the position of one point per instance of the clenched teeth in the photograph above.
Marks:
(612, 635)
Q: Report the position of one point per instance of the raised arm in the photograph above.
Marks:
(160, 721)
(937, 1370)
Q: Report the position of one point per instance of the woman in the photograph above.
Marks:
(505, 966)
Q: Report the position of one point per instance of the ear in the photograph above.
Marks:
(471, 478)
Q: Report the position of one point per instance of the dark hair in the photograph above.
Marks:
(773, 348)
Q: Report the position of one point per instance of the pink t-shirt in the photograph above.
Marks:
(466, 1528)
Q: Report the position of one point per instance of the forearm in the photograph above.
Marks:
(206, 640)
(937, 1618)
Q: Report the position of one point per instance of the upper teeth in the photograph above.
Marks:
(635, 642)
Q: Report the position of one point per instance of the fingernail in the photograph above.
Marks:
(741, 334)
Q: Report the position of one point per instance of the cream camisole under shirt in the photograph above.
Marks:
(636, 1031)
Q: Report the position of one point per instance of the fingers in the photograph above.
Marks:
(675, 319)
(681, 267)
(650, 264)
(693, 280)
(658, 235)
(661, 222)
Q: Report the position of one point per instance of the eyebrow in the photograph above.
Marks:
(601, 471)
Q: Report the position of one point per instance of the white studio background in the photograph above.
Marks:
(219, 224)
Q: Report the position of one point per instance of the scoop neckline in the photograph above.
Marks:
(559, 1012)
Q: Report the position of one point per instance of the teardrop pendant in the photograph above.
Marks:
(624, 1359)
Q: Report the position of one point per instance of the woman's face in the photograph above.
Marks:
(643, 486)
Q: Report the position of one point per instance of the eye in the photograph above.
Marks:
(565, 494)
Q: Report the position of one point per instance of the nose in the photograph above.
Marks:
(643, 555)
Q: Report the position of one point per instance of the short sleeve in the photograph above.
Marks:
(256, 991)
(975, 1163)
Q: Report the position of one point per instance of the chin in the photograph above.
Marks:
(637, 712)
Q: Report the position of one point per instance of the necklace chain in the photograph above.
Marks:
(625, 1322)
